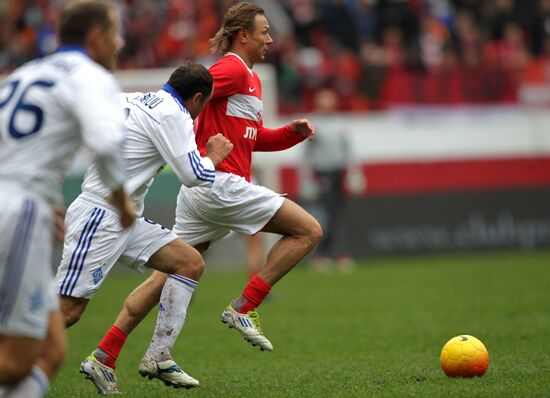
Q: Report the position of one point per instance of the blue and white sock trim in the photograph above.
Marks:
(186, 281)
(40, 378)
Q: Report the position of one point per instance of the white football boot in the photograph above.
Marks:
(167, 371)
(248, 325)
(101, 375)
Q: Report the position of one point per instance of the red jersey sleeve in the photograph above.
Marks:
(276, 139)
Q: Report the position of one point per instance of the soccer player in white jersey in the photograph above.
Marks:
(205, 214)
(48, 107)
(159, 132)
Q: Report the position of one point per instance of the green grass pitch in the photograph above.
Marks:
(376, 332)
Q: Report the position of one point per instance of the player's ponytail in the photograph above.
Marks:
(239, 16)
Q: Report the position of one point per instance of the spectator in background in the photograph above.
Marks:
(329, 156)
(373, 71)
(503, 13)
(393, 41)
(366, 20)
(541, 27)
(339, 23)
(512, 49)
(393, 47)
(432, 40)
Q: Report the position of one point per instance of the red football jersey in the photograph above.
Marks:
(235, 111)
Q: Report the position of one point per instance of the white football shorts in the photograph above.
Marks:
(231, 204)
(95, 242)
(27, 294)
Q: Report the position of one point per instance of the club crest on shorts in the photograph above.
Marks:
(97, 275)
(36, 300)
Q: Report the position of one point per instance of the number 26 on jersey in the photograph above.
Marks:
(14, 92)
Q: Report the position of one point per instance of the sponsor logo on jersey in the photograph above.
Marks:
(251, 132)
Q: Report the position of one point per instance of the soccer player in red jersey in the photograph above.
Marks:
(232, 203)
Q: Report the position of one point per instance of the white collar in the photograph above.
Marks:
(242, 60)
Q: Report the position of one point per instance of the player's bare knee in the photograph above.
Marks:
(314, 232)
(71, 317)
(192, 267)
(72, 309)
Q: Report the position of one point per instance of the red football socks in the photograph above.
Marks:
(254, 293)
(112, 344)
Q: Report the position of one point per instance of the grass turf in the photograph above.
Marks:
(376, 332)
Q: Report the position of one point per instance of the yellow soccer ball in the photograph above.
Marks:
(464, 356)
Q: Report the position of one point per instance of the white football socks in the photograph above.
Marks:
(174, 300)
(35, 385)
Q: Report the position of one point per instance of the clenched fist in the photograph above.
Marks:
(218, 148)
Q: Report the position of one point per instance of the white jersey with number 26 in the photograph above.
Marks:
(48, 107)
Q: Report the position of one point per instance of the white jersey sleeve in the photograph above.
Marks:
(102, 124)
(175, 140)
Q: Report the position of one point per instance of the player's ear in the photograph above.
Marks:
(198, 98)
(94, 34)
(243, 35)
(94, 39)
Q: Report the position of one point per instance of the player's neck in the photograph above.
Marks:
(241, 53)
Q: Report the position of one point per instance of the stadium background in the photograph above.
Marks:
(445, 102)
(446, 105)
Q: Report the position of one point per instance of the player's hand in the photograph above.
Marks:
(303, 127)
(124, 205)
(218, 148)
(59, 223)
(127, 214)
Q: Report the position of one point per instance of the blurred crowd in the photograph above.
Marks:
(371, 52)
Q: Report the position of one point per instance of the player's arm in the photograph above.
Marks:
(200, 170)
(284, 137)
(124, 205)
(58, 211)
(101, 121)
(175, 141)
